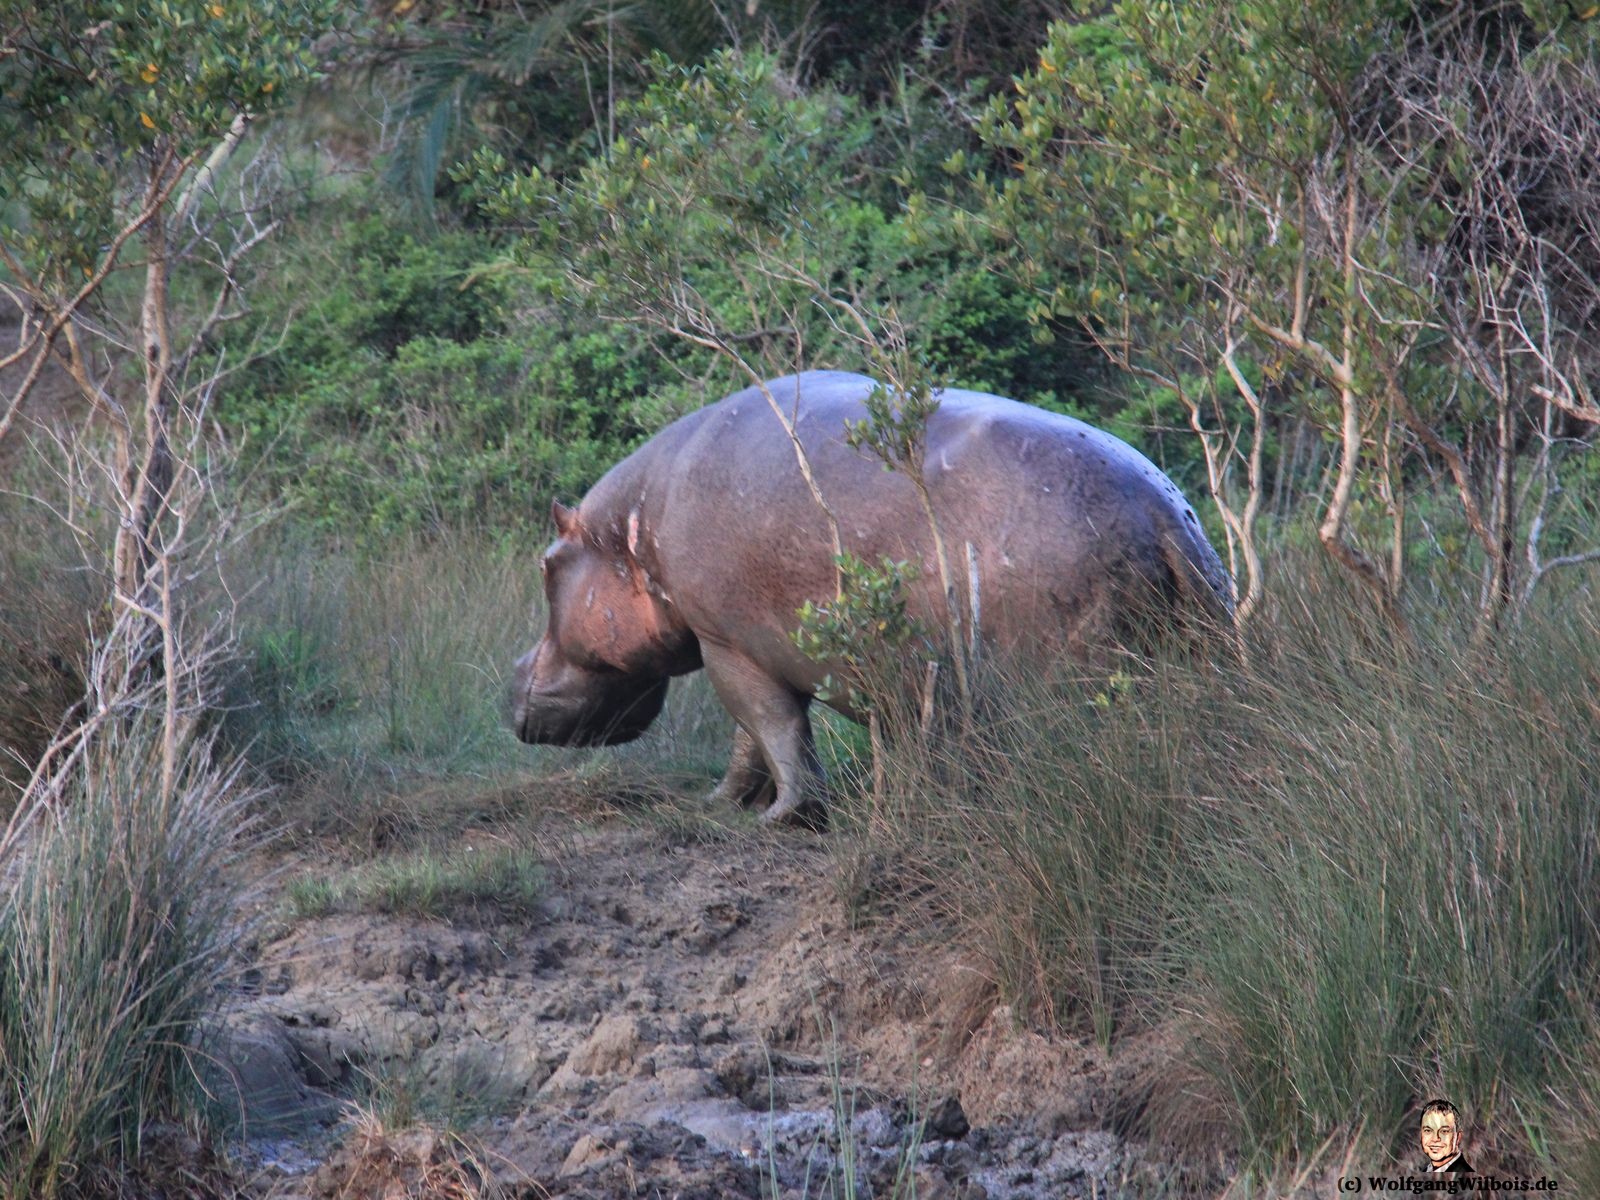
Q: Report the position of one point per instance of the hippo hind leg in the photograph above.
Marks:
(747, 782)
(774, 718)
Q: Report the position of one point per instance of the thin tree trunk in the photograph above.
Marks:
(147, 483)
(1331, 531)
(1394, 497)
(1503, 583)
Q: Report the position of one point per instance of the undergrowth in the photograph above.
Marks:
(392, 662)
(372, 690)
(1351, 872)
(49, 599)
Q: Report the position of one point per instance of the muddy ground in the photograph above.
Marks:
(681, 1017)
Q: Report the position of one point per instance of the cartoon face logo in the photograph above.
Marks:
(1441, 1136)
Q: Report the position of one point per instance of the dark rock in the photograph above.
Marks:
(326, 1056)
(743, 1075)
(253, 1073)
(947, 1121)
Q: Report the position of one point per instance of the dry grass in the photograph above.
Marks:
(49, 598)
(382, 1161)
(1364, 871)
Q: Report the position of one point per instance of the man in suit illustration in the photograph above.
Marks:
(1441, 1139)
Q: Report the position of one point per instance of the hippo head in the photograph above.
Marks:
(598, 676)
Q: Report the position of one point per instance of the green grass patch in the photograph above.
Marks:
(501, 879)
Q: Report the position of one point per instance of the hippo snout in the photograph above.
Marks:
(576, 707)
(517, 694)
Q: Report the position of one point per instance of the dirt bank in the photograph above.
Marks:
(678, 1019)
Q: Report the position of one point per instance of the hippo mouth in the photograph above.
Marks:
(620, 716)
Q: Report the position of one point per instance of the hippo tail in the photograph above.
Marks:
(1203, 587)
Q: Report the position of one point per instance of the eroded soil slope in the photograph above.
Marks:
(679, 1018)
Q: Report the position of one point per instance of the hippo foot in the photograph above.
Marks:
(811, 815)
(809, 811)
(748, 783)
(725, 795)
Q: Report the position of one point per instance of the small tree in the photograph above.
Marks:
(124, 228)
(895, 431)
(119, 124)
(1518, 117)
(867, 635)
(1259, 205)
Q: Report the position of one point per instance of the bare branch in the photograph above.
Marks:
(206, 175)
(156, 196)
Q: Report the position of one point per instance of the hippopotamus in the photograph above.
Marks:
(699, 548)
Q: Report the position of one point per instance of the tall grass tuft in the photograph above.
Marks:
(1407, 902)
(390, 663)
(1353, 871)
(114, 935)
(115, 896)
(1051, 830)
(1569, 1121)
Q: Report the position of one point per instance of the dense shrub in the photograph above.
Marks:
(421, 383)
(409, 394)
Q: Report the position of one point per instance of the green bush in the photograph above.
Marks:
(408, 395)
(422, 382)
(739, 206)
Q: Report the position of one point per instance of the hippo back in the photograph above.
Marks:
(1065, 520)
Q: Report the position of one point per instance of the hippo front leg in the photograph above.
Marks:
(773, 715)
(747, 782)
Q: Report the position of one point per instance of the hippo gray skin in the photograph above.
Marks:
(698, 548)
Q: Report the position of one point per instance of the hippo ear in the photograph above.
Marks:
(566, 519)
